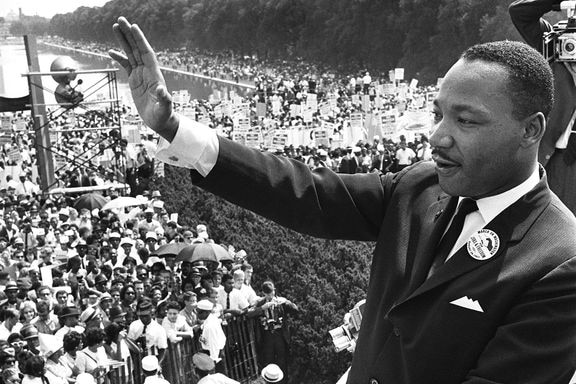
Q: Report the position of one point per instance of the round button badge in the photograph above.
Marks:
(483, 244)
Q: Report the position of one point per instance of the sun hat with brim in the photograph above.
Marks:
(11, 286)
(205, 305)
(150, 363)
(203, 362)
(89, 314)
(116, 311)
(144, 308)
(68, 312)
(272, 373)
(29, 332)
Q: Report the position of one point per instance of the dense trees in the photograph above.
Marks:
(324, 278)
(423, 36)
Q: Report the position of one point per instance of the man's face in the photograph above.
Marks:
(477, 141)
(44, 294)
(145, 319)
(139, 288)
(228, 285)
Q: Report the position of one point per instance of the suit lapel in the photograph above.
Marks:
(510, 226)
(433, 226)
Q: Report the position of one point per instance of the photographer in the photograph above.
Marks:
(557, 150)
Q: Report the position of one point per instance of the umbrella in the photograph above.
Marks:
(90, 201)
(170, 249)
(203, 252)
(123, 202)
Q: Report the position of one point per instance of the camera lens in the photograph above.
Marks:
(569, 46)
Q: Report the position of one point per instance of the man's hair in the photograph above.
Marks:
(227, 277)
(531, 83)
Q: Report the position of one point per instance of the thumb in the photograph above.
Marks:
(163, 96)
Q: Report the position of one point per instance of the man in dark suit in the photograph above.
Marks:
(558, 146)
(472, 314)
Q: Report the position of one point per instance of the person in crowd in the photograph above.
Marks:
(146, 332)
(34, 371)
(11, 317)
(209, 328)
(45, 322)
(72, 344)
(189, 310)
(69, 318)
(92, 359)
(272, 312)
(485, 143)
(175, 324)
(233, 302)
(151, 370)
(204, 369)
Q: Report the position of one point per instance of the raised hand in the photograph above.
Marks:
(146, 81)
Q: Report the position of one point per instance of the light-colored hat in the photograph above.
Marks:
(89, 314)
(126, 240)
(150, 363)
(203, 362)
(205, 305)
(64, 211)
(272, 373)
(151, 235)
(85, 378)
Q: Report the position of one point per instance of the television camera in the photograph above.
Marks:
(560, 43)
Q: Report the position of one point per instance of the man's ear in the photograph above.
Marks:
(534, 128)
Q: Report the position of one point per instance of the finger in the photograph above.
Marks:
(126, 29)
(144, 46)
(163, 96)
(121, 59)
(120, 36)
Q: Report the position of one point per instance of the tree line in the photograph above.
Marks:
(424, 37)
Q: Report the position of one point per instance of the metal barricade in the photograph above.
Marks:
(240, 358)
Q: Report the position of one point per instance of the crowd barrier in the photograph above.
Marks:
(240, 358)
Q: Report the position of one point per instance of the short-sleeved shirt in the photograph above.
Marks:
(155, 334)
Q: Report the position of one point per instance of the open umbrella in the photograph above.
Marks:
(209, 252)
(90, 201)
(170, 249)
(123, 202)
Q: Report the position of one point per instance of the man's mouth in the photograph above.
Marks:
(444, 165)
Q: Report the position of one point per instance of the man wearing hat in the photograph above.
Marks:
(146, 332)
(11, 292)
(69, 317)
(30, 336)
(272, 374)
(148, 224)
(212, 337)
(151, 368)
(204, 369)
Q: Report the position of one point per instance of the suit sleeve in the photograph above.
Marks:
(527, 15)
(320, 203)
(536, 342)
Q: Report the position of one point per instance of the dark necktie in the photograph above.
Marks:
(227, 300)
(466, 206)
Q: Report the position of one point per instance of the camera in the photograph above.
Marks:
(344, 337)
(560, 43)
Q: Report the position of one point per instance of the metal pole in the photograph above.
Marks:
(43, 154)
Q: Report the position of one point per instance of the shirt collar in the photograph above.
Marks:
(491, 206)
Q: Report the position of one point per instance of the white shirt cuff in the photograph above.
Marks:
(194, 146)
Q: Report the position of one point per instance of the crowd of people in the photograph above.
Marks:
(86, 289)
(82, 290)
